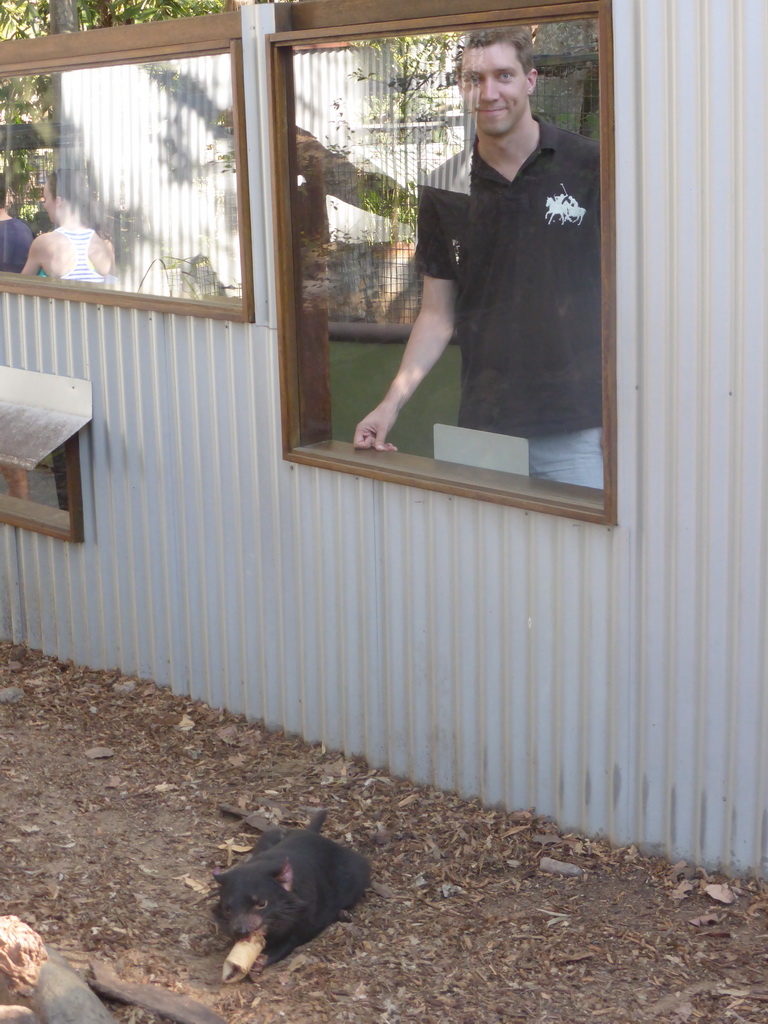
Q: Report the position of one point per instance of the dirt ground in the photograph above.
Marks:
(111, 821)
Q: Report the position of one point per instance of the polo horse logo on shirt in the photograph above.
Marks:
(565, 208)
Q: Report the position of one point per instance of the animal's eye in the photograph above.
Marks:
(259, 905)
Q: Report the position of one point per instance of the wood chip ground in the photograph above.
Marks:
(111, 792)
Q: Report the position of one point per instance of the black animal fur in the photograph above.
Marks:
(291, 888)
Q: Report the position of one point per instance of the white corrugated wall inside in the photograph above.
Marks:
(612, 677)
(162, 201)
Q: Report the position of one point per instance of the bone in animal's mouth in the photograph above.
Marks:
(242, 957)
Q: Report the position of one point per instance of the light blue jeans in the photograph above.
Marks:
(574, 458)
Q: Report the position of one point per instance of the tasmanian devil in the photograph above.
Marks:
(294, 884)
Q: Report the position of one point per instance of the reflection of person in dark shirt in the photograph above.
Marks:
(513, 267)
(15, 238)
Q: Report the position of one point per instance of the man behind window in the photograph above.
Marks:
(513, 267)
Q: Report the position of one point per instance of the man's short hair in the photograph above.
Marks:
(518, 36)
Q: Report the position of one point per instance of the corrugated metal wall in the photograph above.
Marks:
(612, 677)
(692, 140)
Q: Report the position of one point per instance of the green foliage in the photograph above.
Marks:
(25, 19)
(105, 13)
(404, 114)
(25, 105)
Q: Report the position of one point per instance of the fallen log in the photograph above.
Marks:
(63, 997)
(151, 997)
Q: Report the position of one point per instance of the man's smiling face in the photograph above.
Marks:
(495, 88)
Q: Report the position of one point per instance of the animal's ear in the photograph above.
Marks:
(285, 876)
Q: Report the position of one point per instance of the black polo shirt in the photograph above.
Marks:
(525, 255)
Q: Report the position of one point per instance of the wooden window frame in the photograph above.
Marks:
(129, 44)
(304, 399)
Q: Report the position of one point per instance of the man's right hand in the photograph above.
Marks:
(430, 334)
(372, 431)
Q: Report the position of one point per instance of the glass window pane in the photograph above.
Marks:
(126, 176)
(46, 484)
(399, 183)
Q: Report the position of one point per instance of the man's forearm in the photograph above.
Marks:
(431, 333)
(432, 330)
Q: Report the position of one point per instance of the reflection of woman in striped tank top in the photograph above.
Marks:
(72, 251)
